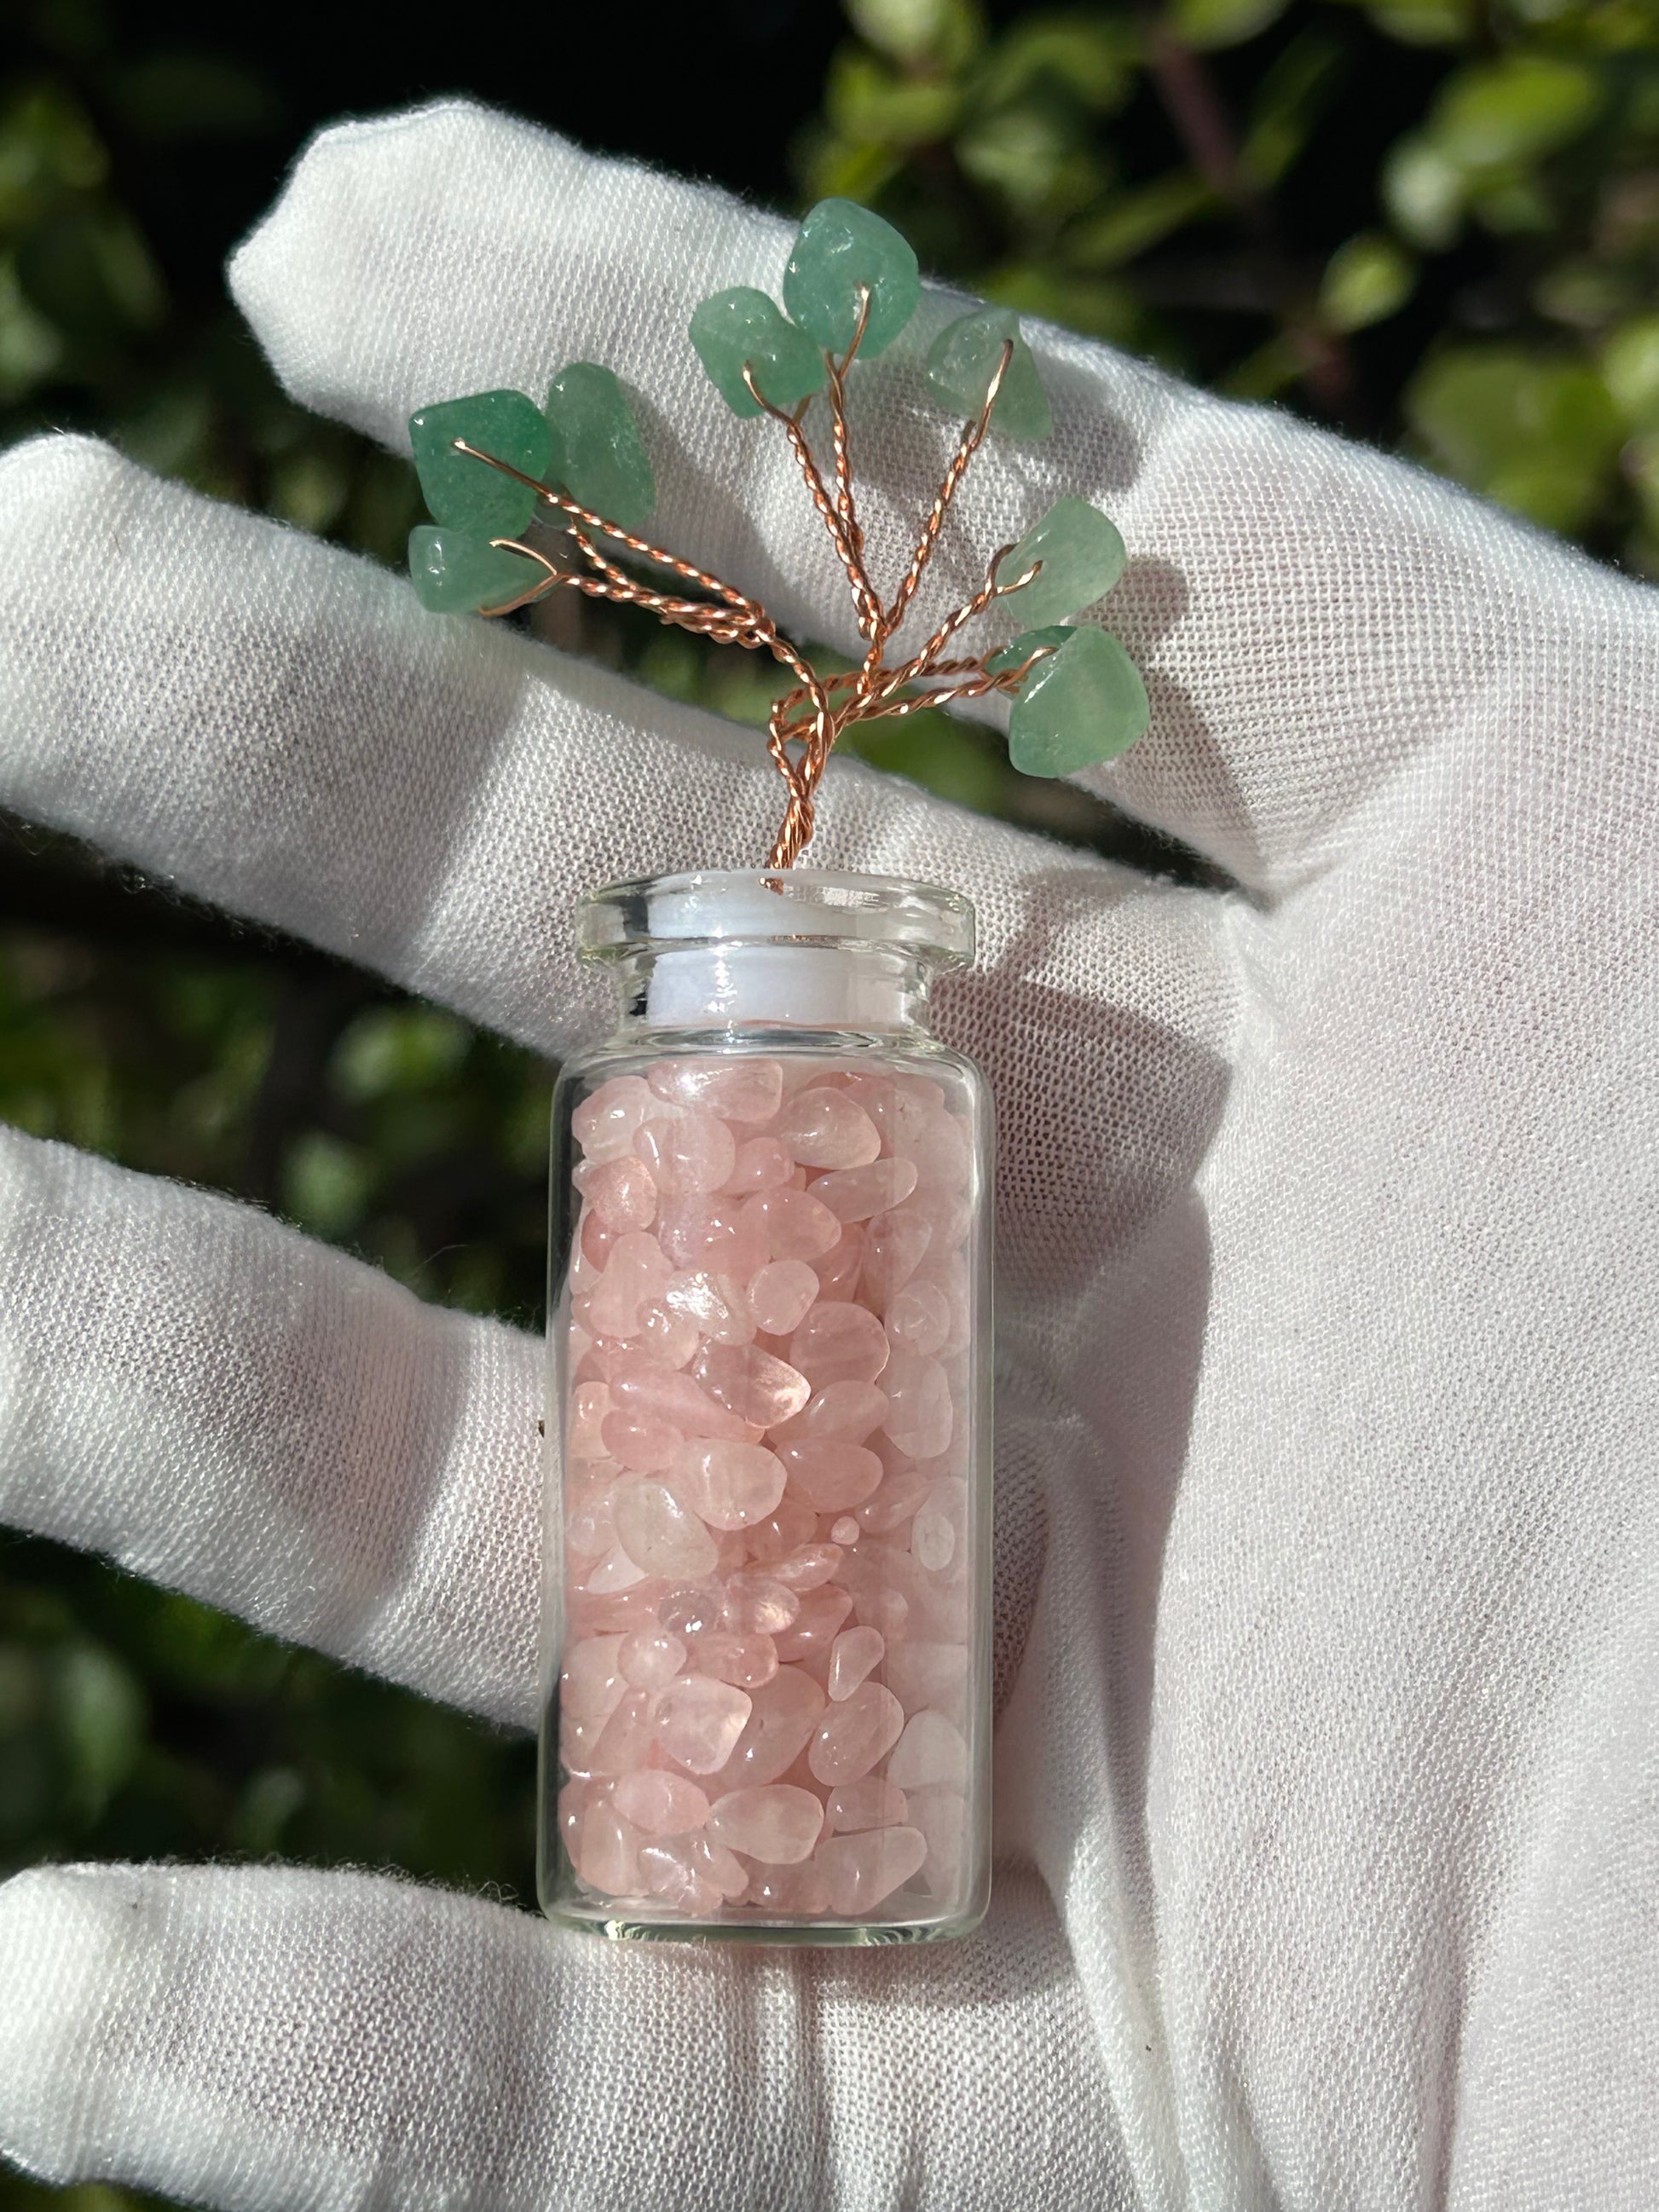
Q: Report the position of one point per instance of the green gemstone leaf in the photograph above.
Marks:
(963, 359)
(1082, 556)
(454, 573)
(742, 324)
(467, 492)
(1030, 641)
(842, 247)
(1081, 705)
(598, 455)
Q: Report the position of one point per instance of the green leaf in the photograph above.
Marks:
(1538, 433)
(1366, 280)
(1425, 193)
(1034, 153)
(1211, 23)
(867, 100)
(1133, 221)
(1294, 94)
(1515, 109)
(947, 32)
(1092, 60)
(1426, 23)
(1629, 368)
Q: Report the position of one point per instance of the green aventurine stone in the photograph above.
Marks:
(1016, 654)
(598, 455)
(1083, 704)
(744, 325)
(963, 359)
(1082, 556)
(467, 494)
(841, 247)
(455, 574)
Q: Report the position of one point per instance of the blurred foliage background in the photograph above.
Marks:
(1432, 223)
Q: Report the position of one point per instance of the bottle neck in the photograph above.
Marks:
(787, 985)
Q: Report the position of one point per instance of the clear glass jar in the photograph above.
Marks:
(767, 1649)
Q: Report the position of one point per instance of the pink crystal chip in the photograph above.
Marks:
(763, 1698)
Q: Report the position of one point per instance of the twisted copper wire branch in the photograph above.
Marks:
(805, 721)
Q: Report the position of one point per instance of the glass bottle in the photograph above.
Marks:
(766, 1643)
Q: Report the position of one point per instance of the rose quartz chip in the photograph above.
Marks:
(604, 1125)
(667, 1871)
(930, 1750)
(649, 1658)
(751, 1384)
(860, 1870)
(699, 1721)
(616, 1572)
(761, 1164)
(845, 1529)
(838, 1344)
(715, 1234)
(920, 1414)
(866, 1804)
(922, 1672)
(774, 1822)
(806, 1569)
(591, 1684)
(691, 1612)
(609, 1857)
(896, 1501)
(748, 1661)
(919, 1318)
(593, 1250)
(779, 1296)
(715, 1863)
(625, 1740)
(755, 1605)
(668, 1338)
(692, 1154)
(635, 1272)
(938, 1526)
(941, 1152)
(855, 1194)
(728, 1485)
(855, 1733)
(659, 1534)
(840, 1271)
(852, 1656)
(893, 1247)
(622, 1193)
(785, 1713)
(792, 1225)
(639, 1386)
(824, 1129)
(638, 1441)
(799, 1891)
(659, 1803)
(714, 1304)
(834, 1475)
(816, 1625)
(942, 1817)
(590, 1527)
(737, 1089)
(589, 1404)
(794, 1523)
(846, 1410)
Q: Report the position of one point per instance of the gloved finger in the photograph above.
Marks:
(270, 2039)
(231, 1409)
(277, 726)
(1318, 623)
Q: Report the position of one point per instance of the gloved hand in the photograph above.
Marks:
(1328, 1528)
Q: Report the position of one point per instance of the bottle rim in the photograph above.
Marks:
(776, 906)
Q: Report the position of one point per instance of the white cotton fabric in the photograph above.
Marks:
(1327, 1518)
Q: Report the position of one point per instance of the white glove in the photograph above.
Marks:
(1327, 1527)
